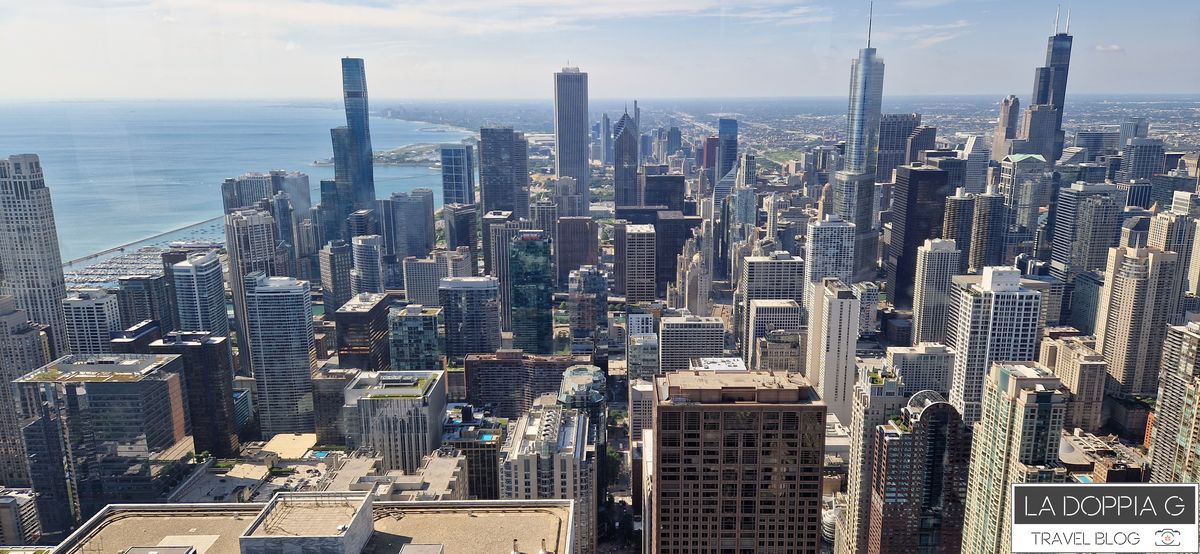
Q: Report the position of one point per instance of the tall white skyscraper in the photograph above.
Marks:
(1016, 441)
(422, 276)
(828, 252)
(571, 130)
(91, 315)
(937, 262)
(251, 239)
(367, 275)
(832, 336)
(992, 318)
(29, 256)
(766, 316)
(1138, 300)
(283, 352)
(776, 276)
(976, 153)
(200, 294)
(682, 338)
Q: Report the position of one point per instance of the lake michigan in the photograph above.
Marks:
(122, 171)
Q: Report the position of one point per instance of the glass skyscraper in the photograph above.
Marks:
(531, 278)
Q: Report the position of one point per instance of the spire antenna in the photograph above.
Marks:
(1068, 29)
(1057, 9)
(871, 22)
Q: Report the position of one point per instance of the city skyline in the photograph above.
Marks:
(270, 49)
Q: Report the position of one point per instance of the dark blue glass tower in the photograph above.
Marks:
(353, 163)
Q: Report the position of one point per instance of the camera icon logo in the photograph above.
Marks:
(1166, 537)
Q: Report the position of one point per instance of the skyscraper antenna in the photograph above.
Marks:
(870, 21)
(1056, 10)
(1068, 29)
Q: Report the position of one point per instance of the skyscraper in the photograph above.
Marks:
(1025, 184)
(894, 130)
(352, 143)
(200, 294)
(578, 244)
(854, 188)
(251, 241)
(682, 338)
(362, 331)
(462, 229)
(1050, 88)
(727, 147)
(587, 304)
(765, 316)
(422, 277)
(1008, 127)
(937, 262)
(958, 218)
(1173, 418)
(141, 297)
(503, 170)
(625, 162)
(30, 262)
(976, 154)
(416, 343)
(336, 262)
(741, 412)
(501, 240)
(1142, 158)
(571, 139)
(1016, 441)
(367, 275)
(606, 139)
(833, 334)
(828, 252)
(919, 479)
(981, 308)
(458, 173)
(283, 353)
(776, 276)
(21, 351)
(923, 137)
(638, 253)
(988, 227)
(531, 280)
(471, 310)
(399, 415)
(918, 209)
(1139, 299)
(1086, 225)
(91, 316)
(1083, 371)
(877, 396)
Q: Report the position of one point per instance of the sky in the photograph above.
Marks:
(501, 49)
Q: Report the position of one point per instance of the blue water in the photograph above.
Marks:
(122, 171)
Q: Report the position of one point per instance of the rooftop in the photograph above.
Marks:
(482, 527)
(730, 387)
(363, 302)
(718, 364)
(308, 515)
(291, 446)
(99, 368)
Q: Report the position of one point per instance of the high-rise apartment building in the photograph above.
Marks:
(938, 260)
(549, 453)
(832, 336)
(1176, 421)
(22, 349)
(917, 215)
(984, 308)
(355, 174)
(251, 239)
(283, 352)
(462, 229)
(919, 479)
(367, 275)
(587, 305)
(396, 414)
(142, 297)
(1083, 372)
(471, 311)
(336, 262)
(422, 277)
(414, 338)
(877, 397)
(92, 316)
(571, 122)
(828, 252)
(766, 316)
(458, 173)
(1016, 441)
(756, 424)
(29, 257)
(1086, 224)
(989, 220)
(957, 221)
(1138, 301)
(923, 366)
(682, 338)
(775, 276)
